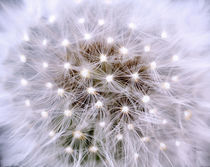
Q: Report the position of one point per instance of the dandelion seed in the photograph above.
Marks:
(119, 136)
(164, 35)
(102, 124)
(101, 22)
(153, 111)
(87, 36)
(109, 78)
(147, 48)
(69, 150)
(44, 114)
(145, 139)
(135, 76)
(125, 109)
(24, 82)
(132, 26)
(123, 50)
(65, 42)
(153, 65)
(93, 149)
(136, 156)
(130, 127)
(99, 104)
(174, 78)
(52, 19)
(23, 58)
(175, 58)
(166, 85)
(103, 58)
(187, 114)
(27, 103)
(110, 40)
(26, 37)
(85, 73)
(164, 122)
(81, 20)
(49, 85)
(68, 113)
(67, 66)
(52, 133)
(77, 134)
(145, 98)
(60, 91)
(44, 42)
(91, 90)
(163, 146)
(177, 143)
(45, 64)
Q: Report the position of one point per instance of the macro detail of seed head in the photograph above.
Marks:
(107, 83)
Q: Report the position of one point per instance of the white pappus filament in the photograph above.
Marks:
(105, 83)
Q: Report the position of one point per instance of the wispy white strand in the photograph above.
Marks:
(69, 97)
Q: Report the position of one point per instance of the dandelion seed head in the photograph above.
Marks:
(105, 83)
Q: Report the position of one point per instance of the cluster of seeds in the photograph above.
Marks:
(99, 96)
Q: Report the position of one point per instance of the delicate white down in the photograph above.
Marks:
(184, 103)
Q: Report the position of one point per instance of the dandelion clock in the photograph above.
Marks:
(105, 83)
